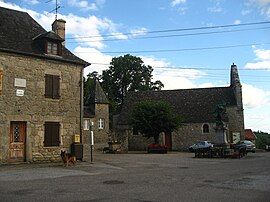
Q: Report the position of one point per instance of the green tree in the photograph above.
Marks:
(127, 73)
(88, 84)
(262, 140)
(151, 118)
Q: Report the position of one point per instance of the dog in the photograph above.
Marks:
(68, 158)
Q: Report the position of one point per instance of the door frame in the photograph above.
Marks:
(22, 127)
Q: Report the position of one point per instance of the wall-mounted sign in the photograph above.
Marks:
(19, 92)
(1, 81)
(20, 82)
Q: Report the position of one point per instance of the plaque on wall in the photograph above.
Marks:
(1, 81)
(20, 82)
(19, 92)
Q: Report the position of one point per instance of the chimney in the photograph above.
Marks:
(58, 27)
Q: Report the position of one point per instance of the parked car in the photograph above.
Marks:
(200, 145)
(248, 145)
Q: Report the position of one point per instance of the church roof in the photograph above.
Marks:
(192, 105)
(18, 31)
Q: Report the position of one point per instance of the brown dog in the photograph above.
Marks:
(68, 158)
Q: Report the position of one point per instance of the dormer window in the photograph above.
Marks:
(53, 48)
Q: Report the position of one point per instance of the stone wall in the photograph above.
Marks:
(101, 136)
(34, 108)
(236, 122)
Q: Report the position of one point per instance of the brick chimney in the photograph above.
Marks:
(58, 27)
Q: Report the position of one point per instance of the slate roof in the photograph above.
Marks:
(193, 105)
(96, 96)
(18, 31)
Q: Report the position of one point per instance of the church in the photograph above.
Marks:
(196, 107)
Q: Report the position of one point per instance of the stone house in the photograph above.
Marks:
(96, 111)
(196, 108)
(41, 105)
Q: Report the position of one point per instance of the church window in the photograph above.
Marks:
(205, 128)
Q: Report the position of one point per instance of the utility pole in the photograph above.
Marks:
(91, 140)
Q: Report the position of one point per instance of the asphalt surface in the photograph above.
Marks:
(140, 177)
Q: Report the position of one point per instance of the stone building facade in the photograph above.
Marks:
(40, 91)
(196, 108)
(96, 111)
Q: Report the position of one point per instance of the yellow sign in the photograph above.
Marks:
(76, 138)
(1, 81)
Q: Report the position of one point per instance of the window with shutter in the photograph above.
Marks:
(52, 86)
(51, 134)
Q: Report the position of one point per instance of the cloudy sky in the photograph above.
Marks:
(189, 43)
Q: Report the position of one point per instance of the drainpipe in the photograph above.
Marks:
(81, 105)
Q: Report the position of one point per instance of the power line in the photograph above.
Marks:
(190, 68)
(179, 50)
(176, 30)
(174, 35)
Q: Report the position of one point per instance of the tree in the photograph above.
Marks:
(151, 118)
(88, 84)
(262, 140)
(127, 73)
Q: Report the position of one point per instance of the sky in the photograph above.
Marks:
(189, 43)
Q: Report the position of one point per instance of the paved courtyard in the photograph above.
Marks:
(141, 177)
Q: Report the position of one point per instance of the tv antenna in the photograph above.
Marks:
(57, 7)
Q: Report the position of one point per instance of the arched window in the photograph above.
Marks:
(205, 128)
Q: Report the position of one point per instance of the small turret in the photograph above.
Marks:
(236, 85)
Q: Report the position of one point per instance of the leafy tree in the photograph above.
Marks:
(151, 118)
(262, 139)
(127, 73)
(88, 84)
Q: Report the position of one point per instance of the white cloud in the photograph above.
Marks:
(93, 56)
(177, 2)
(76, 26)
(237, 22)
(262, 5)
(254, 97)
(216, 8)
(85, 5)
(262, 54)
(262, 60)
(138, 32)
(31, 2)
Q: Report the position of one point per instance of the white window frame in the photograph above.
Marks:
(101, 123)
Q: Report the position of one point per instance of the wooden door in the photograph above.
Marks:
(17, 141)
(168, 141)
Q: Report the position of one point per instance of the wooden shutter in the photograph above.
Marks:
(56, 87)
(55, 133)
(48, 86)
(51, 135)
(47, 134)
